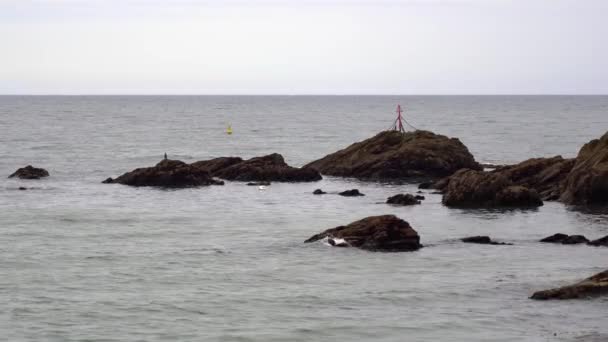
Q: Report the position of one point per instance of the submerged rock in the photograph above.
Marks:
(469, 188)
(319, 192)
(600, 242)
(258, 183)
(555, 238)
(484, 240)
(30, 172)
(168, 173)
(351, 193)
(393, 155)
(593, 286)
(270, 168)
(403, 199)
(377, 233)
(587, 182)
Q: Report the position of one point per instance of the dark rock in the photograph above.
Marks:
(319, 192)
(484, 240)
(258, 183)
(545, 175)
(469, 188)
(270, 168)
(600, 242)
(419, 197)
(587, 182)
(108, 180)
(596, 285)
(22, 188)
(403, 199)
(574, 240)
(168, 173)
(393, 155)
(30, 172)
(419, 192)
(351, 193)
(377, 233)
(425, 185)
(555, 238)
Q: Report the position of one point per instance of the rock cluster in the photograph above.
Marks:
(386, 233)
(392, 155)
(30, 172)
(565, 239)
(593, 286)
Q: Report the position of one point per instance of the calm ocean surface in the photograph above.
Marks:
(85, 261)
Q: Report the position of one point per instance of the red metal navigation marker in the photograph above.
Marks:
(399, 122)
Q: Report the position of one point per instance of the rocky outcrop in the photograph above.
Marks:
(555, 238)
(392, 155)
(386, 233)
(587, 182)
(270, 168)
(600, 242)
(169, 174)
(483, 240)
(319, 192)
(30, 172)
(593, 286)
(351, 193)
(403, 199)
(469, 188)
(545, 175)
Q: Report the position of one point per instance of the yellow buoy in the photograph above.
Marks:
(229, 130)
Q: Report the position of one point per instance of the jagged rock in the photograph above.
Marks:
(377, 233)
(168, 173)
(351, 193)
(555, 238)
(393, 155)
(574, 240)
(469, 188)
(319, 192)
(30, 172)
(591, 287)
(600, 242)
(587, 182)
(270, 168)
(403, 199)
(484, 240)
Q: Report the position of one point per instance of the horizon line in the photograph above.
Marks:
(311, 94)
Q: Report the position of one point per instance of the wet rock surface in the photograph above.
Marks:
(403, 199)
(376, 233)
(393, 155)
(167, 173)
(596, 285)
(30, 172)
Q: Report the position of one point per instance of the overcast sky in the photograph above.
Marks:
(304, 47)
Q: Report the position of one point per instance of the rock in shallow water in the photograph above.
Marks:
(270, 168)
(30, 172)
(469, 188)
(593, 286)
(394, 155)
(600, 242)
(484, 240)
(351, 193)
(167, 173)
(403, 199)
(386, 233)
(319, 192)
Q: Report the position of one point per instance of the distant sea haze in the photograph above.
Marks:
(85, 260)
